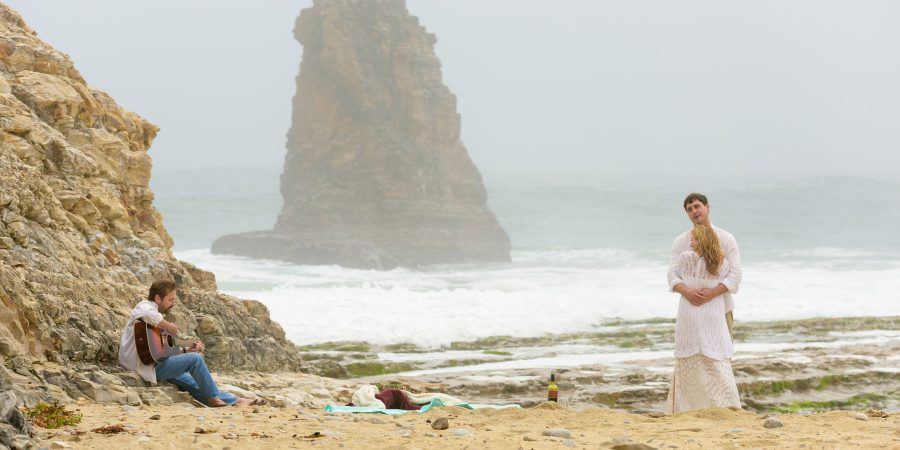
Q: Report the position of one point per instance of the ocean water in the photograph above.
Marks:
(582, 253)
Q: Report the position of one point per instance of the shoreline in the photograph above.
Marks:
(796, 366)
(819, 393)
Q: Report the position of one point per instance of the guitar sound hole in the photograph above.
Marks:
(170, 341)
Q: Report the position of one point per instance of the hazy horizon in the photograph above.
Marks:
(620, 90)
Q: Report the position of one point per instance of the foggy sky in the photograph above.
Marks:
(628, 87)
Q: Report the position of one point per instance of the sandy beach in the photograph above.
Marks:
(184, 426)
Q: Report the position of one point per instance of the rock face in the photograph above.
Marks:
(80, 240)
(375, 175)
(15, 431)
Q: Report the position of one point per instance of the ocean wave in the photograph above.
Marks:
(830, 253)
(462, 303)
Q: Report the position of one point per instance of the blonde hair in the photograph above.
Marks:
(708, 247)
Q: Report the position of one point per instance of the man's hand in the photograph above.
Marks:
(708, 294)
(695, 298)
(690, 294)
(196, 347)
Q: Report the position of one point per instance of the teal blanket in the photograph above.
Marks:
(435, 402)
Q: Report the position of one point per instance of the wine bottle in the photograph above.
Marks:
(552, 390)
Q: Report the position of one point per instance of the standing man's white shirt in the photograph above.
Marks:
(128, 356)
(729, 245)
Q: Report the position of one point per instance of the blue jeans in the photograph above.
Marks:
(188, 371)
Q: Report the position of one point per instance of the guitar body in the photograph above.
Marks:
(153, 344)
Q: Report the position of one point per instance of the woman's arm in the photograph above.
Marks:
(687, 262)
(720, 289)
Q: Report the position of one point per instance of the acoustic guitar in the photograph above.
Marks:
(153, 344)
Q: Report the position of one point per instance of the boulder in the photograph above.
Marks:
(15, 431)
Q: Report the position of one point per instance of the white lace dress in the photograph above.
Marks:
(703, 347)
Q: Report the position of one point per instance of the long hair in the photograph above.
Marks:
(708, 247)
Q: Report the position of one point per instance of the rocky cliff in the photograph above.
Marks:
(80, 240)
(376, 175)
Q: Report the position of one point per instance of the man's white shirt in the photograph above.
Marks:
(729, 245)
(128, 357)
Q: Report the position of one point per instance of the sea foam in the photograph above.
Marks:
(540, 292)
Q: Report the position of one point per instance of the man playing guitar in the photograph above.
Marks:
(187, 370)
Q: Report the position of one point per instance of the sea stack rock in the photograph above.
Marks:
(376, 175)
(80, 239)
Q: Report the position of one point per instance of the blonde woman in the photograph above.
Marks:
(703, 347)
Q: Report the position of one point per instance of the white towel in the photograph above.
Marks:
(365, 396)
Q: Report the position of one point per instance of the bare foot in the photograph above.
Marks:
(216, 402)
(243, 402)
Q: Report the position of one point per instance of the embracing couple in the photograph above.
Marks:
(705, 268)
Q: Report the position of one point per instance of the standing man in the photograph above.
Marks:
(188, 370)
(697, 208)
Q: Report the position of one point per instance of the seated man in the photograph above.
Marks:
(188, 370)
